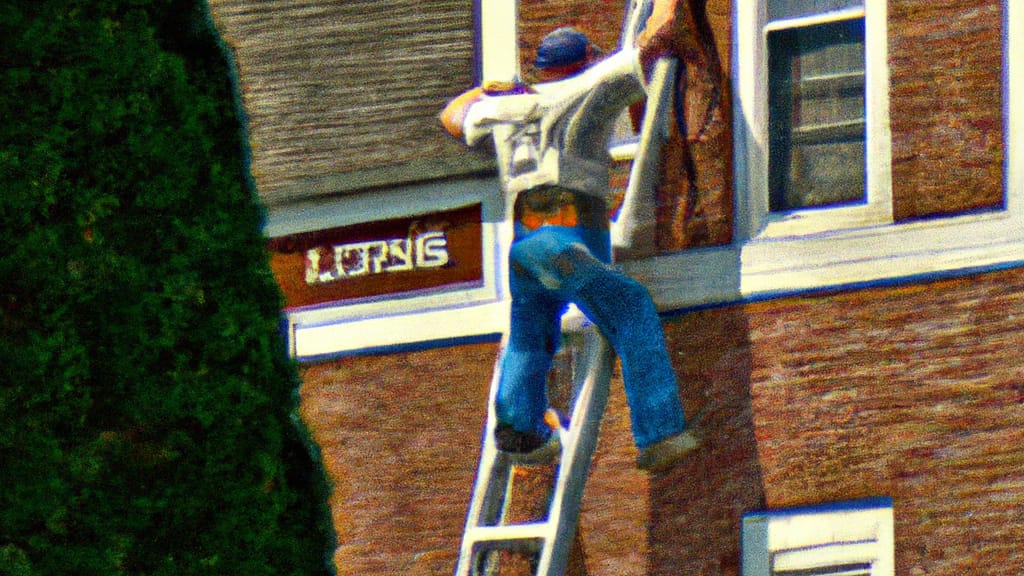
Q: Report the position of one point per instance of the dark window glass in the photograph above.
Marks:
(816, 115)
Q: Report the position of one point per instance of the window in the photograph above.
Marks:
(853, 538)
(816, 115)
(815, 146)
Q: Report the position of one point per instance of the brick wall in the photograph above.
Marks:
(399, 436)
(946, 105)
(914, 392)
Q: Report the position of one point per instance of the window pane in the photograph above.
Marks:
(780, 9)
(816, 115)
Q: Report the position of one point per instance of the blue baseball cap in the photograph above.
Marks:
(562, 47)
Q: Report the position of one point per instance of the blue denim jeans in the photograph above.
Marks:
(551, 267)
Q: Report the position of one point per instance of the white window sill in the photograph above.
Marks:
(769, 266)
(801, 223)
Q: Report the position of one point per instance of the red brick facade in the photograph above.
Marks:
(913, 392)
(946, 105)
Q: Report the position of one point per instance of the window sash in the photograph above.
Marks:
(816, 115)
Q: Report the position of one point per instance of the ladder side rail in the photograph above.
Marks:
(493, 481)
(633, 231)
(582, 436)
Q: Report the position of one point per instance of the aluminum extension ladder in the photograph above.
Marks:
(550, 540)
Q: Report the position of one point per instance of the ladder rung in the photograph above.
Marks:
(552, 537)
(528, 531)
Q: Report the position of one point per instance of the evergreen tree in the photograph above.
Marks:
(147, 402)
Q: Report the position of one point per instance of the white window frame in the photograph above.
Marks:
(816, 539)
(752, 134)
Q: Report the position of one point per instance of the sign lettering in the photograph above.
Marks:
(342, 261)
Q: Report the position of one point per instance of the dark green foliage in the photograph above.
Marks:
(146, 395)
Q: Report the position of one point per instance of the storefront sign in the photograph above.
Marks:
(379, 258)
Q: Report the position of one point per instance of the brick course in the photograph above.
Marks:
(399, 435)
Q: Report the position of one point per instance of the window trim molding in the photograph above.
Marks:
(499, 42)
(1013, 87)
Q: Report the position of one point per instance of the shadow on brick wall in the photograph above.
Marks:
(696, 508)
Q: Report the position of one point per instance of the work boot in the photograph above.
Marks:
(526, 448)
(666, 453)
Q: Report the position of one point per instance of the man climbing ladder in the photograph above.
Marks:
(551, 141)
(555, 145)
